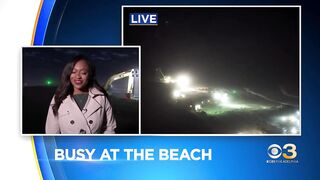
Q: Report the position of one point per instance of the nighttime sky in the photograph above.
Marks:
(221, 46)
(42, 64)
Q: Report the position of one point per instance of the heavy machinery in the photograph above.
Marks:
(124, 85)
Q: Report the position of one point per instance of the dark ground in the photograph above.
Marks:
(163, 115)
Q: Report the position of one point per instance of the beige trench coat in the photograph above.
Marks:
(95, 116)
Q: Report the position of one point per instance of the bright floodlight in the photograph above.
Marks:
(183, 81)
(221, 96)
(176, 94)
(197, 107)
(283, 118)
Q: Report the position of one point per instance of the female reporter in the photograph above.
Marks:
(80, 104)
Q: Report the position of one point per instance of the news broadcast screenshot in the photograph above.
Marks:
(168, 90)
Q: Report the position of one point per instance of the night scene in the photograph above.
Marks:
(218, 70)
(117, 71)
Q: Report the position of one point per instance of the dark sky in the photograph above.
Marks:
(221, 46)
(42, 64)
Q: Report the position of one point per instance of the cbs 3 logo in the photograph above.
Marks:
(288, 151)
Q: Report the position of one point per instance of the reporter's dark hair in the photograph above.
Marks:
(65, 87)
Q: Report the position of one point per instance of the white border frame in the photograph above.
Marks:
(70, 46)
(222, 6)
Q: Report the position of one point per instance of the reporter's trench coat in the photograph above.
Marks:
(96, 116)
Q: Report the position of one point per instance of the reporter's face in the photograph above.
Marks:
(79, 76)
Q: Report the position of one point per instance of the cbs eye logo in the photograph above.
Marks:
(288, 151)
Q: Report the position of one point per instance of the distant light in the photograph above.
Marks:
(293, 119)
(285, 131)
(221, 96)
(283, 118)
(167, 79)
(183, 81)
(234, 91)
(294, 130)
(49, 82)
(197, 107)
(208, 101)
(298, 113)
(235, 106)
(176, 94)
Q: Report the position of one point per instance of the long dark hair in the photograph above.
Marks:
(65, 87)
